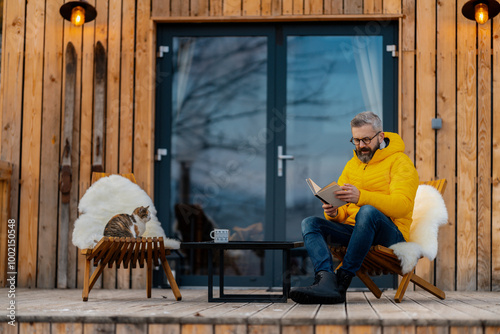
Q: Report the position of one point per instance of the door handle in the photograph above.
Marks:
(282, 157)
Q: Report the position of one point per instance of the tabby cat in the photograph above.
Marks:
(125, 225)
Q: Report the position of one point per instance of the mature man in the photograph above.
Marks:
(379, 185)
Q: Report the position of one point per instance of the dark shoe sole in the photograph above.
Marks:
(304, 298)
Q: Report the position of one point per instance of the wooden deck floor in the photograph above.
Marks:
(129, 311)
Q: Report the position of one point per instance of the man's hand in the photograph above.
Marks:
(349, 193)
(330, 210)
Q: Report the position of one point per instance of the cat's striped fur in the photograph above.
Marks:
(125, 225)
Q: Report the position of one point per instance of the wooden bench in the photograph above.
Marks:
(128, 252)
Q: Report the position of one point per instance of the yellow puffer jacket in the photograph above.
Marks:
(388, 182)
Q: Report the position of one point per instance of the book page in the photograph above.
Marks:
(314, 187)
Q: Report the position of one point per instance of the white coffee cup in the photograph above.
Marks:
(220, 235)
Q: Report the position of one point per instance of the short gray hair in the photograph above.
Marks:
(367, 118)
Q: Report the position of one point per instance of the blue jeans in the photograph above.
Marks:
(371, 228)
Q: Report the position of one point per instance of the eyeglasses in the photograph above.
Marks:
(366, 140)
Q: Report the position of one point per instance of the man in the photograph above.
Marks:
(379, 185)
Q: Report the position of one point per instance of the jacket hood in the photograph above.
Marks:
(394, 144)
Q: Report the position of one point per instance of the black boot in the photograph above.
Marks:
(344, 279)
(323, 291)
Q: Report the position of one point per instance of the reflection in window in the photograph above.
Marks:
(219, 100)
(329, 80)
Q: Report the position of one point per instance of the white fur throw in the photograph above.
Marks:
(107, 197)
(428, 214)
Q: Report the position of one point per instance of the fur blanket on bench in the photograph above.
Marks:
(429, 213)
(107, 197)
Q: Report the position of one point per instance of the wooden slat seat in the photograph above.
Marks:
(112, 252)
(382, 260)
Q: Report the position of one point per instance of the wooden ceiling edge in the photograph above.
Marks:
(280, 18)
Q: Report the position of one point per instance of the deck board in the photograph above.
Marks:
(131, 310)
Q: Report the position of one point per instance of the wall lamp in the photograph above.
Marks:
(78, 12)
(481, 10)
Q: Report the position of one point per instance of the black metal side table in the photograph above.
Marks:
(285, 246)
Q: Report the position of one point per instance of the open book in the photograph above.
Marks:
(326, 194)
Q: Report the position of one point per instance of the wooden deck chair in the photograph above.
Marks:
(382, 260)
(127, 252)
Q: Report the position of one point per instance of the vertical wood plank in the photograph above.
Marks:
(127, 87)
(113, 86)
(126, 106)
(131, 328)
(353, 6)
(407, 117)
(231, 7)
(425, 90)
(298, 7)
(179, 8)
(144, 111)
(425, 106)
(5, 328)
(199, 8)
(30, 165)
(12, 94)
(160, 8)
(103, 23)
(112, 110)
(251, 7)
(87, 93)
(266, 7)
(233, 329)
(263, 329)
(197, 328)
(328, 329)
(302, 329)
(495, 227)
(484, 158)
(313, 7)
(446, 148)
(34, 327)
(50, 143)
(73, 328)
(216, 7)
(175, 7)
(393, 6)
(277, 7)
(5, 230)
(75, 35)
(466, 152)
(164, 328)
(98, 328)
(372, 7)
(337, 6)
(287, 7)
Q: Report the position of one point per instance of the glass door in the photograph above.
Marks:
(332, 74)
(234, 104)
(215, 118)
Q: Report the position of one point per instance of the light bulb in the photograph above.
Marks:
(78, 16)
(481, 13)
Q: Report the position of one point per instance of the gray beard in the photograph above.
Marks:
(365, 158)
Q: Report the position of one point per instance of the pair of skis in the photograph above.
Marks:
(65, 176)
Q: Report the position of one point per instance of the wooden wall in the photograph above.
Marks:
(448, 69)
